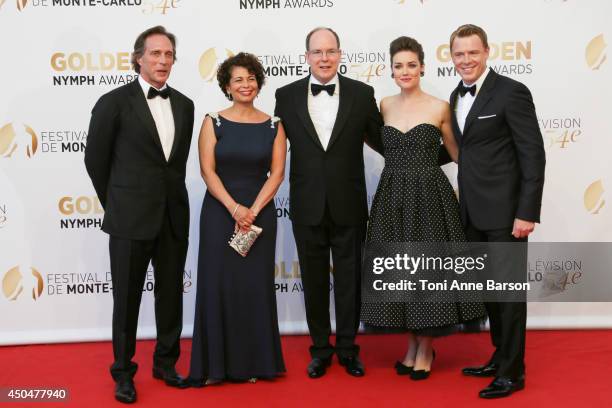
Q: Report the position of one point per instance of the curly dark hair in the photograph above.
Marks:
(404, 43)
(244, 60)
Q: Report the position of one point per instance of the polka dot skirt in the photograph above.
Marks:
(415, 202)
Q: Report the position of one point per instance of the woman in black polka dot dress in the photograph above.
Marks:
(415, 202)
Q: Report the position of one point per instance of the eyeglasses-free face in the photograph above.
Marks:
(407, 69)
(157, 60)
(470, 57)
(243, 85)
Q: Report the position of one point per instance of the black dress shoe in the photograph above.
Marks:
(402, 369)
(502, 387)
(194, 383)
(125, 391)
(352, 365)
(318, 366)
(170, 377)
(488, 370)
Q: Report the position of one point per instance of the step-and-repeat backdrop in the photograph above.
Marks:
(60, 56)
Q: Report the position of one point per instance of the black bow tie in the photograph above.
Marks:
(316, 89)
(164, 93)
(465, 89)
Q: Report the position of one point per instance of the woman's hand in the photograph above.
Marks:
(244, 217)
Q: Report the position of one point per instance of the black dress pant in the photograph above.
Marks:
(313, 246)
(507, 320)
(129, 262)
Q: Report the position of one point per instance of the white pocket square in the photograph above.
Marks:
(486, 117)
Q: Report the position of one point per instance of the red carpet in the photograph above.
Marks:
(564, 368)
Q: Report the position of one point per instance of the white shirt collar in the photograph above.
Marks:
(145, 86)
(480, 80)
(333, 81)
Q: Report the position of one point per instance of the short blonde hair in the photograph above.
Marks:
(467, 30)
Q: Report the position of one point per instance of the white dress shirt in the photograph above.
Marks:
(161, 110)
(323, 109)
(464, 103)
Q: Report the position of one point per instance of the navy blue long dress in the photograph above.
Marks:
(235, 334)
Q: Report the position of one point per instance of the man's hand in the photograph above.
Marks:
(522, 228)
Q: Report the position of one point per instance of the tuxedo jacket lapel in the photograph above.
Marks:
(455, 124)
(484, 95)
(344, 109)
(301, 104)
(177, 110)
(139, 103)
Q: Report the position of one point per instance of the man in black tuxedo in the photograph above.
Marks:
(501, 178)
(136, 154)
(327, 117)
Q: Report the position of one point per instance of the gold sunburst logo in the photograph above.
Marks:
(594, 197)
(14, 139)
(595, 53)
(210, 60)
(14, 283)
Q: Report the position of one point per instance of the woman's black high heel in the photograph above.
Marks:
(402, 369)
(417, 375)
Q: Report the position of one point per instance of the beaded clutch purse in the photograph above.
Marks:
(242, 241)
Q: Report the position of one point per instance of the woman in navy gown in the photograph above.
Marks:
(242, 159)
